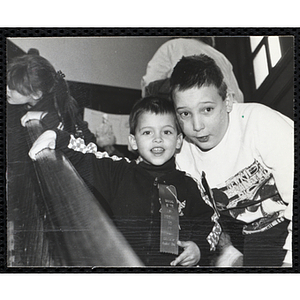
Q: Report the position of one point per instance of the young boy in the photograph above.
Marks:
(246, 151)
(151, 202)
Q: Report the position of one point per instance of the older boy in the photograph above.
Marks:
(150, 200)
(246, 151)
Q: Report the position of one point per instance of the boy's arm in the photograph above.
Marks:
(275, 145)
(97, 173)
(50, 139)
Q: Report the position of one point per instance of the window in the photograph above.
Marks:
(266, 53)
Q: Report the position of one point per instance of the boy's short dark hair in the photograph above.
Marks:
(197, 71)
(152, 104)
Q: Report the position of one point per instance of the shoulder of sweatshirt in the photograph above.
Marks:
(259, 113)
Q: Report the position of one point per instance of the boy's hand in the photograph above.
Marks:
(47, 140)
(32, 115)
(190, 256)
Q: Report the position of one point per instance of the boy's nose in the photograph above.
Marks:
(157, 138)
(197, 124)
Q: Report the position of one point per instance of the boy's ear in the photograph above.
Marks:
(179, 141)
(229, 102)
(132, 142)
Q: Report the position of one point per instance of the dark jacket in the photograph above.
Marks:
(131, 191)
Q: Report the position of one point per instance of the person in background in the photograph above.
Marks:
(35, 90)
(160, 67)
(135, 189)
(246, 151)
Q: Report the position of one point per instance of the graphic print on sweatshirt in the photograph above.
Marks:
(252, 197)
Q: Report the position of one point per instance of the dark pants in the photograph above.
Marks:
(265, 249)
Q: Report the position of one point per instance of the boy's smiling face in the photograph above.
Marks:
(203, 115)
(156, 137)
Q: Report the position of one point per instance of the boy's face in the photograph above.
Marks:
(203, 115)
(156, 138)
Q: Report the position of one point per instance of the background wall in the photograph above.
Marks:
(105, 72)
(112, 61)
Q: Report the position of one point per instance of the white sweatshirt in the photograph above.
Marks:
(259, 143)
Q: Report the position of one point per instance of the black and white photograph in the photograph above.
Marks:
(155, 153)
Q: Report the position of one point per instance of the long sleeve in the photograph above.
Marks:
(276, 146)
(274, 143)
(100, 172)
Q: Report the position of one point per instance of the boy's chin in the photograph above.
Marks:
(204, 146)
(158, 162)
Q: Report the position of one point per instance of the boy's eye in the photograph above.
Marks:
(184, 115)
(147, 132)
(167, 132)
(208, 109)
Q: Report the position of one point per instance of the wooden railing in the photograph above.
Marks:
(71, 228)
